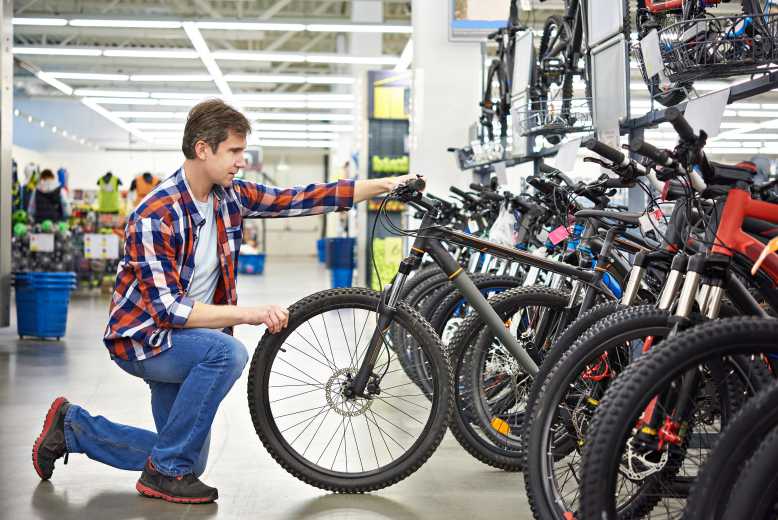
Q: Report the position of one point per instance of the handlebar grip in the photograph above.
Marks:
(464, 195)
(477, 187)
(638, 145)
(604, 150)
(681, 125)
(491, 195)
(416, 184)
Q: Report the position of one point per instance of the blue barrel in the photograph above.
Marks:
(342, 277)
(321, 250)
(251, 264)
(340, 253)
(42, 301)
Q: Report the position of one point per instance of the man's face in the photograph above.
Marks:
(222, 165)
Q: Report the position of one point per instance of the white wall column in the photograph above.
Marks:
(6, 144)
(446, 90)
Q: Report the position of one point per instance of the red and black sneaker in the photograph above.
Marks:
(184, 489)
(50, 444)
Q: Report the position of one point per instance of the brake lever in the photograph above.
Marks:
(598, 161)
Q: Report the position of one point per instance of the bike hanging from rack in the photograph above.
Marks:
(697, 45)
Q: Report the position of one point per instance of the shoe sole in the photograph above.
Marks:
(47, 424)
(153, 493)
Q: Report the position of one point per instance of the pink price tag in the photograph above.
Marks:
(558, 235)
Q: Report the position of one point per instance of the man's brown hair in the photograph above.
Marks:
(211, 121)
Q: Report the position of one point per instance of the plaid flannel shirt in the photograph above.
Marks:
(150, 294)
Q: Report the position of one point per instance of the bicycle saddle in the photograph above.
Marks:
(627, 218)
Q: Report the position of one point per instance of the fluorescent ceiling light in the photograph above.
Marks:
(329, 105)
(89, 76)
(330, 80)
(359, 28)
(57, 84)
(298, 116)
(170, 77)
(122, 101)
(56, 51)
(152, 53)
(354, 60)
(331, 128)
(257, 56)
(40, 21)
(251, 26)
(757, 113)
(184, 95)
(295, 135)
(159, 126)
(292, 127)
(133, 24)
(111, 93)
(296, 144)
(115, 120)
(295, 97)
(151, 115)
(264, 78)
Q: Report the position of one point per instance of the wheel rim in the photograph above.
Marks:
(317, 424)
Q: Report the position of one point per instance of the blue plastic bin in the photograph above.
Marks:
(42, 303)
(251, 264)
(321, 249)
(342, 277)
(340, 253)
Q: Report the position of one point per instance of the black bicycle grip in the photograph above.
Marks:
(681, 125)
(417, 184)
(639, 146)
(464, 195)
(477, 187)
(604, 150)
(492, 195)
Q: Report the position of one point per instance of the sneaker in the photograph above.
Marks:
(50, 444)
(184, 489)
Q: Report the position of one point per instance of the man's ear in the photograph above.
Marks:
(201, 150)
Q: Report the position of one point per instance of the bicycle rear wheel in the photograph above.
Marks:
(305, 420)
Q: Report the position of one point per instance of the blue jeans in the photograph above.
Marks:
(188, 382)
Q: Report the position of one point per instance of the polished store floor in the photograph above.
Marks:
(450, 485)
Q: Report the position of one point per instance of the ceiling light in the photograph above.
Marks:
(257, 56)
(151, 53)
(275, 126)
(151, 115)
(89, 76)
(359, 28)
(264, 78)
(159, 126)
(42, 123)
(65, 89)
(354, 60)
(53, 129)
(115, 120)
(56, 51)
(330, 80)
(16, 112)
(328, 105)
(110, 93)
(29, 119)
(298, 116)
(332, 128)
(171, 77)
(40, 21)
(122, 101)
(132, 24)
(184, 95)
(251, 26)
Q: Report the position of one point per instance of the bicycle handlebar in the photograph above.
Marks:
(600, 148)
(463, 194)
(638, 145)
(681, 125)
(417, 184)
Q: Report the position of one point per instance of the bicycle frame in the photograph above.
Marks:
(430, 241)
(661, 6)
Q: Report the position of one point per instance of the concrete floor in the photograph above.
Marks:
(251, 485)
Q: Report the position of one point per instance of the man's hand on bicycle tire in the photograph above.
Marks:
(274, 316)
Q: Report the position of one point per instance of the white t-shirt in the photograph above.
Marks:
(206, 261)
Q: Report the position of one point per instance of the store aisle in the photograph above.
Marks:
(251, 485)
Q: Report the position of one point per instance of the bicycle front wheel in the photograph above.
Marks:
(303, 416)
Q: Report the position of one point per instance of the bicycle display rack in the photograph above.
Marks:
(559, 117)
(717, 47)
